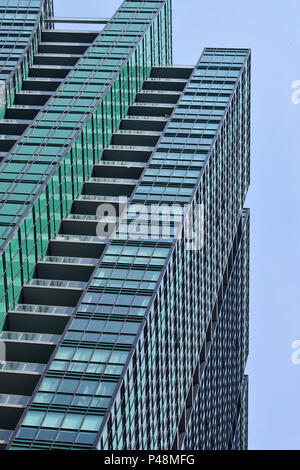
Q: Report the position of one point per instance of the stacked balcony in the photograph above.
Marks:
(57, 55)
(48, 300)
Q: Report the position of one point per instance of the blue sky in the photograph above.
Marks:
(271, 29)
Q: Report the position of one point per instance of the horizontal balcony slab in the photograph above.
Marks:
(172, 72)
(59, 59)
(68, 36)
(53, 324)
(49, 71)
(70, 261)
(21, 337)
(20, 383)
(85, 247)
(14, 400)
(115, 169)
(84, 226)
(109, 186)
(41, 84)
(34, 348)
(62, 47)
(23, 367)
(7, 142)
(127, 153)
(42, 309)
(59, 283)
(12, 127)
(151, 109)
(164, 84)
(64, 271)
(86, 206)
(67, 297)
(139, 139)
(22, 112)
(32, 98)
(143, 123)
(157, 96)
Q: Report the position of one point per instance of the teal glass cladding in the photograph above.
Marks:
(21, 22)
(217, 413)
(135, 368)
(240, 437)
(54, 157)
(211, 123)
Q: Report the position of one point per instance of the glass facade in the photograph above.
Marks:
(21, 25)
(216, 419)
(51, 161)
(141, 343)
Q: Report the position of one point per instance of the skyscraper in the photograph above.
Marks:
(117, 333)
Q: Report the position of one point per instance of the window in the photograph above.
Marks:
(49, 385)
(106, 388)
(68, 386)
(92, 423)
(53, 420)
(34, 418)
(83, 354)
(118, 357)
(72, 421)
(87, 387)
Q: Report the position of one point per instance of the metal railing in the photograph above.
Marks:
(78, 20)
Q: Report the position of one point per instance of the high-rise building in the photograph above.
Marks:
(124, 241)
